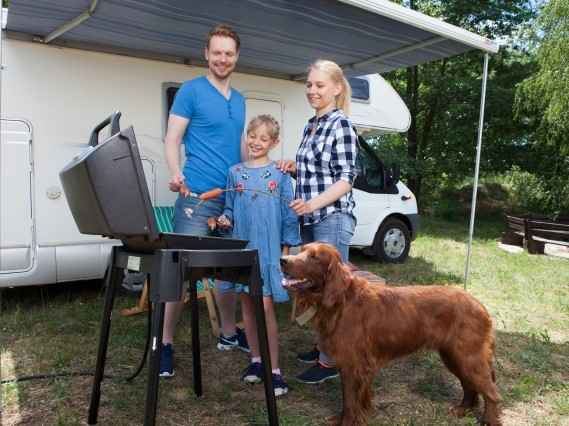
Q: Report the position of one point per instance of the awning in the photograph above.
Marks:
(279, 37)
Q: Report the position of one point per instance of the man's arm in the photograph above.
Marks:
(176, 128)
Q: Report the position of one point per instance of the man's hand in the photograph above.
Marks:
(223, 221)
(177, 184)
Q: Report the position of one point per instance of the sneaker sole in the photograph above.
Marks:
(318, 381)
(281, 391)
(166, 375)
(251, 380)
(242, 349)
(223, 347)
(305, 361)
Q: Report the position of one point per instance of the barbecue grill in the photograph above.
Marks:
(107, 194)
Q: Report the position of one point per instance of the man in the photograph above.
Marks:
(208, 116)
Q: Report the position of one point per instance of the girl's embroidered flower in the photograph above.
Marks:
(245, 176)
(240, 187)
(272, 185)
(266, 174)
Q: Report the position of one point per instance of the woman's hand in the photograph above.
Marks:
(223, 221)
(287, 166)
(301, 207)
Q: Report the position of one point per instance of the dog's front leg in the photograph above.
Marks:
(357, 395)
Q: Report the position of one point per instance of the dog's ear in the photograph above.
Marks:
(336, 282)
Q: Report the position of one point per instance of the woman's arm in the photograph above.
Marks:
(342, 168)
(333, 193)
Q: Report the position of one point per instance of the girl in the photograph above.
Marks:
(257, 208)
(325, 170)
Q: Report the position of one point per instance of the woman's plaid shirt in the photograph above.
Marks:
(327, 156)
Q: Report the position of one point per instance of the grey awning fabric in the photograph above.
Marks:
(279, 37)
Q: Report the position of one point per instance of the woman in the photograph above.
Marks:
(325, 170)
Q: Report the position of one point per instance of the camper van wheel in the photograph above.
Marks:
(392, 242)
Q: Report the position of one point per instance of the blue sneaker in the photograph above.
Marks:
(242, 343)
(279, 385)
(237, 341)
(252, 373)
(167, 361)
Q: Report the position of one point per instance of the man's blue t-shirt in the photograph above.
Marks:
(213, 137)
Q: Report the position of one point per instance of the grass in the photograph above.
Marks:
(56, 329)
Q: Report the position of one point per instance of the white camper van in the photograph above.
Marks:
(53, 96)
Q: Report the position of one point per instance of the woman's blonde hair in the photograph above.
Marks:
(344, 99)
(270, 123)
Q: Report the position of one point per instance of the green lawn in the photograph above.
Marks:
(55, 329)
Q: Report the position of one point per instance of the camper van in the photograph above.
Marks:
(53, 96)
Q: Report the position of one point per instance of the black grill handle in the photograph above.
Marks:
(113, 120)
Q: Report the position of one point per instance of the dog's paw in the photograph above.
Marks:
(333, 421)
(491, 422)
(458, 411)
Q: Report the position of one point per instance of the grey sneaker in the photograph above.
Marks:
(317, 374)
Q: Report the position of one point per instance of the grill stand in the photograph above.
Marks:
(168, 270)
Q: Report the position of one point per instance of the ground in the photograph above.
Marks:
(55, 329)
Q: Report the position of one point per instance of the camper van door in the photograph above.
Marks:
(17, 232)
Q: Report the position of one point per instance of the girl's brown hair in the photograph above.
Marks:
(344, 99)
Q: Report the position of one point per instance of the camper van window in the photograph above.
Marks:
(360, 88)
(369, 168)
(170, 95)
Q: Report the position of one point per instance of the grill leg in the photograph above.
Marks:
(257, 294)
(110, 292)
(157, 322)
(196, 353)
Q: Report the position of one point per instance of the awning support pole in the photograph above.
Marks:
(477, 169)
(71, 24)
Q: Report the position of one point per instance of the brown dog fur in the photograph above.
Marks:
(364, 326)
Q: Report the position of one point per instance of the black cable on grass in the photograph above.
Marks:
(131, 377)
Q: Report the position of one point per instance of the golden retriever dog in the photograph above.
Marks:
(364, 326)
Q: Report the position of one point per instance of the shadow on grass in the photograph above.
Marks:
(530, 370)
(415, 270)
(59, 331)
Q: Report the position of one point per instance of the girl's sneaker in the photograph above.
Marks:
(252, 373)
(279, 385)
(238, 340)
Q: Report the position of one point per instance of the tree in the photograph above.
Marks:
(443, 97)
(542, 99)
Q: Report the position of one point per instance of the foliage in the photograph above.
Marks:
(542, 101)
(444, 98)
(544, 94)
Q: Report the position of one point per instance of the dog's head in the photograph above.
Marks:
(317, 271)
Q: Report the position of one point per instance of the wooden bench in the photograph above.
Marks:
(533, 232)
(541, 232)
